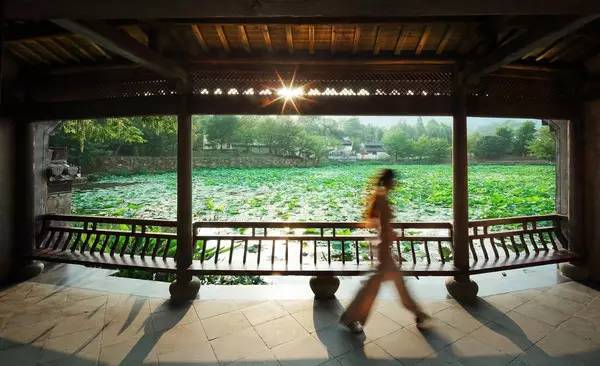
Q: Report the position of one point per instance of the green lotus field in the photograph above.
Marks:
(328, 193)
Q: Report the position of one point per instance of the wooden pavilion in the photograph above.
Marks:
(73, 59)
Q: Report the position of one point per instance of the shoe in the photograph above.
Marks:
(421, 318)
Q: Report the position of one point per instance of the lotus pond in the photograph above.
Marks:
(329, 193)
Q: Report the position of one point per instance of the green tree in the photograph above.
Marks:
(489, 147)
(524, 135)
(507, 138)
(396, 143)
(544, 144)
(117, 131)
(438, 149)
(220, 129)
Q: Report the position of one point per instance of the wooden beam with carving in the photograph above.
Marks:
(519, 47)
(122, 44)
(338, 9)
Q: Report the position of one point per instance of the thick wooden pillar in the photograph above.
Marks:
(460, 287)
(184, 287)
(578, 269)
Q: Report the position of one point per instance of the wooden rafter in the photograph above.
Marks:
(554, 50)
(222, 38)
(120, 43)
(401, 41)
(523, 45)
(289, 38)
(77, 46)
(199, 37)
(244, 38)
(423, 40)
(311, 39)
(356, 39)
(333, 39)
(93, 45)
(31, 53)
(13, 49)
(60, 49)
(267, 38)
(445, 40)
(41, 49)
(378, 40)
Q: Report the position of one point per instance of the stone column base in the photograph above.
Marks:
(29, 270)
(576, 272)
(324, 287)
(462, 289)
(184, 288)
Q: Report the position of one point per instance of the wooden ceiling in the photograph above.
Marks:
(440, 40)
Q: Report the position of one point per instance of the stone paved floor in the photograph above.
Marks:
(43, 324)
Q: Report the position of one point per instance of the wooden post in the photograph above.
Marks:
(460, 287)
(576, 270)
(185, 287)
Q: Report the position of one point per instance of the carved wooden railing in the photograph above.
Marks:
(421, 248)
(516, 242)
(317, 247)
(109, 241)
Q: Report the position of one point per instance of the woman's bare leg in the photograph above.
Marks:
(360, 307)
(405, 297)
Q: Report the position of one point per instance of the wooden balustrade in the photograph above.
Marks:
(317, 247)
(517, 242)
(299, 248)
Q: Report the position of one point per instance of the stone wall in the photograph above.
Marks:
(591, 195)
(7, 176)
(135, 164)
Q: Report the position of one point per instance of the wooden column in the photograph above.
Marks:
(184, 287)
(184, 185)
(460, 195)
(460, 287)
(576, 270)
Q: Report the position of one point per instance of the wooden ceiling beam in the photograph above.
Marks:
(222, 38)
(521, 46)
(267, 38)
(77, 46)
(400, 42)
(378, 40)
(244, 38)
(311, 39)
(338, 9)
(41, 49)
(289, 38)
(423, 40)
(333, 39)
(199, 37)
(60, 49)
(356, 39)
(28, 51)
(445, 40)
(122, 44)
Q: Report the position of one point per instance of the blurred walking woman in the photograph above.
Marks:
(379, 215)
